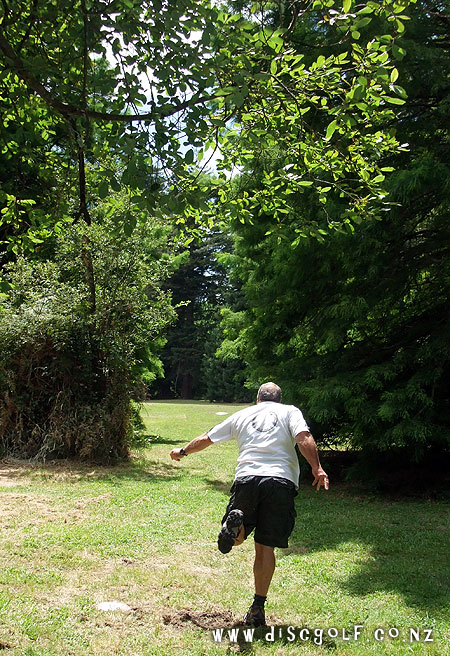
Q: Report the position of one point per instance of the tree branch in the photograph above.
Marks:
(83, 210)
(85, 53)
(86, 257)
(295, 12)
(32, 19)
(69, 110)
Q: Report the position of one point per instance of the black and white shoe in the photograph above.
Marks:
(255, 616)
(230, 530)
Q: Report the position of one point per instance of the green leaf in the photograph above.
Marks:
(398, 52)
(275, 42)
(189, 157)
(356, 93)
(238, 99)
(115, 184)
(129, 226)
(362, 22)
(226, 91)
(347, 6)
(218, 122)
(400, 91)
(103, 189)
(273, 67)
(394, 75)
(394, 101)
(331, 130)
(366, 10)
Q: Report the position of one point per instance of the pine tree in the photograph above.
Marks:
(355, 325)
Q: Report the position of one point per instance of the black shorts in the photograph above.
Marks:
(268, 506)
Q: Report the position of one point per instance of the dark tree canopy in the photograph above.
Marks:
(356, 327)
(201, 289)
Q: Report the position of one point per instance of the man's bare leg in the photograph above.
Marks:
(263, 568)
(240, 538)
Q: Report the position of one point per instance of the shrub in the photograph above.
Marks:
(76, 333)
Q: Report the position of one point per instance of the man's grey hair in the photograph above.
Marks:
(269, 392)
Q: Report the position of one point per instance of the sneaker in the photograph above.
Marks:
(230, 530)
(255, 616)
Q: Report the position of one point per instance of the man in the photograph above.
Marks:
(266, 481)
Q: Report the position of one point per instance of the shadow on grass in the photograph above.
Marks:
(147, 440)
(157, 439)
(220, 486)
(407, 541)
(408, 544)
(276, 634)
(14, 471)
(226, 629)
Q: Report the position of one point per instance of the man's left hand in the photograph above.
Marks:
(320, 479)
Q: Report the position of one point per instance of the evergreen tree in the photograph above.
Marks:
(355, 325)
(200, 288)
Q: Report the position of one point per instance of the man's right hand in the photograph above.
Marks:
(176, 454)
(320, 478)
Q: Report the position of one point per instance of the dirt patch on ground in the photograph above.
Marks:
(207, 619)
(22, 509)
(27, 510)
(14, 473)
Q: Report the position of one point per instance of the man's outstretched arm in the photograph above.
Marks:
(197, 444)
(308, 449)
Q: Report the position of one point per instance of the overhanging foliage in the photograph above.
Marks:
(151, 84)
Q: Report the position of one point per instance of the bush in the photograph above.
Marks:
(76, 334)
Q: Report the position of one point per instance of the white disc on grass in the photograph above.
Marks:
(113, 605)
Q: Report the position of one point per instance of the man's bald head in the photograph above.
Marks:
(269, 392)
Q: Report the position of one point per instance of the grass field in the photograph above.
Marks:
(144, 533)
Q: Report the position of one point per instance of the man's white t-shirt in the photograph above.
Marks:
(265, 434)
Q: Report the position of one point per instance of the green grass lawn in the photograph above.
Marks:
(144, 533)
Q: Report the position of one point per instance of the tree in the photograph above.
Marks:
(356, 326)
(189, 74)
(113, 100)
(200, 290)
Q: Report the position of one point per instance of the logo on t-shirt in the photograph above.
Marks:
(264, 423)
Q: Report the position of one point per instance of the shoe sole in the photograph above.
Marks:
(230, 530)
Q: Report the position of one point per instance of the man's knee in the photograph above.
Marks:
(263, 550)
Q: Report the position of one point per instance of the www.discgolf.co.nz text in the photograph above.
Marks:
(319, 636)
